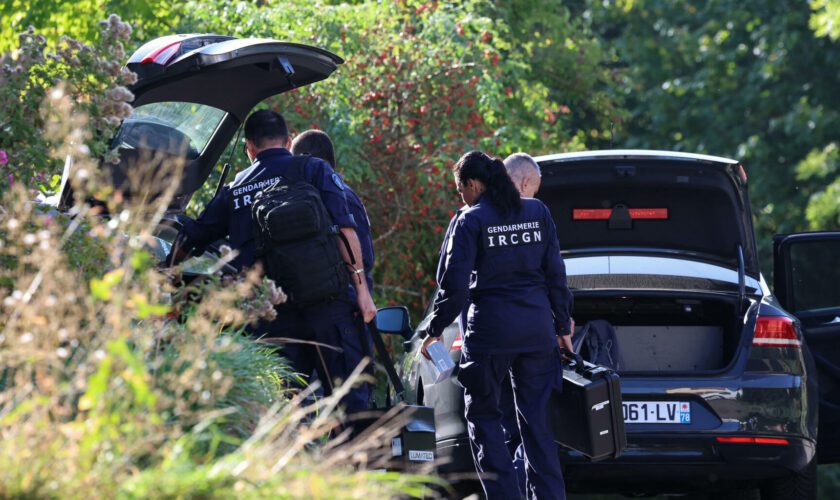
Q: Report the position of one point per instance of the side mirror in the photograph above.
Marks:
(394, 320)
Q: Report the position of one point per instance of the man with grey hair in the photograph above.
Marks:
(524, 172)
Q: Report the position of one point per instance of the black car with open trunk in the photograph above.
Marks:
(724, 385)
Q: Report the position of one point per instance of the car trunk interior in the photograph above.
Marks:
(666, 332)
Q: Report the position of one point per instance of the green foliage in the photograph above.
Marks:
(820, 168)
(566, 59)
(89, 73)
(744, 79)
(76, 19)
(825, 21)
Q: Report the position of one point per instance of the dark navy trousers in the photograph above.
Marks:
(326, 340)
(513, 439)
(534, 376)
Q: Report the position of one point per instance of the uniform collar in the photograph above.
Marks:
(270, 153)
(255, 167)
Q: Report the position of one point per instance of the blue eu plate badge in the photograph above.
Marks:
(685, 413)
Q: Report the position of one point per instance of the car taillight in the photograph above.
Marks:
(163, 54)
(775, 331)
(751, 440)
(606, 213)
(457, 343)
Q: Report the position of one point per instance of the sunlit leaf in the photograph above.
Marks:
(101, 288)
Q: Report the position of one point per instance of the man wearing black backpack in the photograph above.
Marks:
(317, 143)
(290, 214)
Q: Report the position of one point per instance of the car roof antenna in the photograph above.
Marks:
(612, 133)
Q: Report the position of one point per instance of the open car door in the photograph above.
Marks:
(807, 283)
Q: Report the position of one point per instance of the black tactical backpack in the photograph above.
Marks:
(296, 240)
(597, 343)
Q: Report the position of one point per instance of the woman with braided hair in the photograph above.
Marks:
(504, 258)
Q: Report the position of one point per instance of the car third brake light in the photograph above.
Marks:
(162, 55)
(606, 213)
(775, 331)
(751, 440)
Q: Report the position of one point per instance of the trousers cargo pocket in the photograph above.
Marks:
(474, 374)
(350, 341)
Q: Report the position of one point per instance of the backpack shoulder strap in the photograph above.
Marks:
(297, 172)
(580, 336)
(296, 168)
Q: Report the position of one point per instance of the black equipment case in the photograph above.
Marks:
(416, 442)
(587, 415)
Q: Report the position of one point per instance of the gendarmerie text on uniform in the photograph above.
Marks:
(505, 235)
(240, 201)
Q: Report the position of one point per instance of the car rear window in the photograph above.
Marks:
(173, 127)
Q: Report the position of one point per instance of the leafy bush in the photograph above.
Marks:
(31, 153)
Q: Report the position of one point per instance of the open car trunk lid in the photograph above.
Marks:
(192, 94)
(630, 202)
(225, 72)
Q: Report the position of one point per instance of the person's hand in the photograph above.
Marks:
(426, 343)
(565, 342)
(366, 305)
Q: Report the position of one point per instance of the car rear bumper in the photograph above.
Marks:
(686, 463)
(674, 462)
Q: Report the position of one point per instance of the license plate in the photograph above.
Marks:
(656, 412)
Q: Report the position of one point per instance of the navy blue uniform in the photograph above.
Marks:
(511, 272)
(360, 216)
(229, 214)
(353, 347)
(506, 403)
(441, 269)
